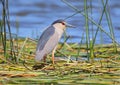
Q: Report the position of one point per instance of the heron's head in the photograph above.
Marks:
(61, 24)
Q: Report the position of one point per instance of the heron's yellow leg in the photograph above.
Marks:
(53, 59)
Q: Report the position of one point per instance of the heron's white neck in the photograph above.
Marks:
(59, 29)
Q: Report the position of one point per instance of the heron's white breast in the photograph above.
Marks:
(59, 31)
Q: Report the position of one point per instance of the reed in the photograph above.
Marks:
(81, 41)
(17, 32)
(87, 27)
(21, 50)
(5, 25)
(88, 19)
(109, 21)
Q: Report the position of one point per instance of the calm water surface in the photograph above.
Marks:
(33, 16)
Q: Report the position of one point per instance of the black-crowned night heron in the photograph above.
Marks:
(49, 39)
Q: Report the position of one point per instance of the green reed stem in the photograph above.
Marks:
(107, 13)
(75, 13)
(3, 28)
(92, 37)
(10, 34)
(17, 32)
(86, 26)
(100, 20)
(22, 49)
(91, 51)
(78, 53)
(91, 12)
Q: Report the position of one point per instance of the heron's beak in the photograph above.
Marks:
(69, 25)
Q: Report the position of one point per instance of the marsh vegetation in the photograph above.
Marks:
(76, 63)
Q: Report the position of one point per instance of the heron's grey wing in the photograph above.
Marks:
(45, 37)
(52, 43)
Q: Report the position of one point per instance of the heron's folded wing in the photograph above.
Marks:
(45, 37)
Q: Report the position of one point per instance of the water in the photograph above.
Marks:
(34, 15)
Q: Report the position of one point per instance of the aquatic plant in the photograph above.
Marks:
(90, 41)
(4, 27)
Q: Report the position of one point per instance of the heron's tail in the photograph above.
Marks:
(39, 56)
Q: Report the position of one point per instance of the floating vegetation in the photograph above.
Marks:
(104, 70)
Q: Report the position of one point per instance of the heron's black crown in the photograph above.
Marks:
(58, 21)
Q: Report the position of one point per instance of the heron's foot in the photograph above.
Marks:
(39, 66)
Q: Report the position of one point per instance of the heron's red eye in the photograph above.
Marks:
(62, 23)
